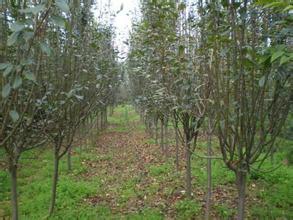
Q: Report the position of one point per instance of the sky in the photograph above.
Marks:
(121, 21)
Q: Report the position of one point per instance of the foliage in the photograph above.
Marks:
(187, 209)
(196, 68)
(93, 176)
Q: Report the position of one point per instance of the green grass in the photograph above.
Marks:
(187, 209)
(34, 182)
(122, 117)
(127, 190)
(224, 211)
(160, 170)
(273, 190)
(146, 214)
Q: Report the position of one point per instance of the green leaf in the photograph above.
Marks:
(181, 6)
(30, 76)
(28, 61)
(284, 59)
(17, 82)
(59, 21)
(27, 35)
(45, 48)
(8, 70)
(225, 3)
(261, 82)
(62, 5)
(275, 4)
(33, 10)
(12, 38)
(17, 26)
(4, 65)
(6, 90)
(79, 97)
(288, 8)
(276, 55)
(14, 115)
(181, 50)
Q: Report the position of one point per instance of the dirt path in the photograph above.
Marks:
(133, 173)
(135, 176)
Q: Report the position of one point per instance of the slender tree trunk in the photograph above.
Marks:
(98, 122)
(54, 183)
(166, 136)
(209, 175)
(162, 136)
(188, 168)
(101, 120)
(241, 185)
(151, 127)
(111, 110)
(156, 131)
(106, 117)
(177, 146)
(69, 162)
(13, 176)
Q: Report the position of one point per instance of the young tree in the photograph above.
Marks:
(22, 53)
(85, 58)
(252, 92)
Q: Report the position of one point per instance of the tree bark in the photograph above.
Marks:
(14, 200)
(98, 122)
(162, 136)
(101, 120)
(54, 183)
(69, 161)
(209, 176)
(106, 117)
(177, 146)
(188, 168)
(111, 112)
(241, 186)
(166, 136)
(156, 131)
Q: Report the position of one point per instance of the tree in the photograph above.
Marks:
(22, 54)
(252, 92)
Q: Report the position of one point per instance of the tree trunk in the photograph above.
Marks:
(69, 162)
(98, 122)
(101, 120)
(106, 117)
(162, 136)
(54, 183)
(209, 176)
(156, 131)
(177, 146)
(166, 136)
(241, 186)
(188, 168)
(13, 176)
(111, 112)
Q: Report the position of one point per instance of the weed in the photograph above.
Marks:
(146, 214)
(224, 211)
(187, 209)
(157, 170)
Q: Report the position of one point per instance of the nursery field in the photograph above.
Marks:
(121, 174)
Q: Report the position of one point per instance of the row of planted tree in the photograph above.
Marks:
(219, 67)
(59, 73)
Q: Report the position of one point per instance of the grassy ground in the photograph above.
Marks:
(121, 174)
